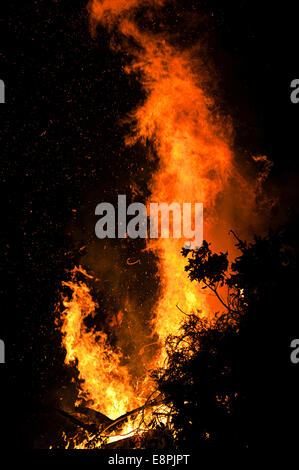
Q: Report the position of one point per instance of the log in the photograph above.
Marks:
(115, 423)
(100, 420)
(88, 427)
(95, 416)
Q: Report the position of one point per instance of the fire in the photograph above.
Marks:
(105, 381)
(196, 164)
(193, 144)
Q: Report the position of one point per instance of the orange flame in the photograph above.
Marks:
(105, 381)
(196, 164)
(193, 144)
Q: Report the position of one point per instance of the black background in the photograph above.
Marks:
(61, 137)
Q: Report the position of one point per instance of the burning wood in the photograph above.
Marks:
(97, 423)
(71, 416)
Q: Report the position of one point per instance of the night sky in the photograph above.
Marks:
(62, 150)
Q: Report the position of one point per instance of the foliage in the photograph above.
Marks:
(228, 353)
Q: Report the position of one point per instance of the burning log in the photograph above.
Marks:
(76, 421)
(94, 416)
(149, 404)
(100, 423)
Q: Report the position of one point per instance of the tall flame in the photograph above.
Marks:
(196, 164)
(193, 144)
